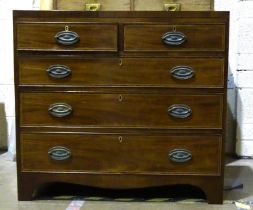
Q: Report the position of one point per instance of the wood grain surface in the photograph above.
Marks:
(127, 72)
(120, 90)
(138, 37)
(108, 154)
(93, 37)
(121, 110)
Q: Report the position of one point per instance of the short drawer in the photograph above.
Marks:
(121, 110)
(140, 37)
(67, 37)
(177, 154)
(153, 72)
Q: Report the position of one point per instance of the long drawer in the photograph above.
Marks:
(67, 37)
(161, 72)
(155, 37)
(121, 110)
(198, 155)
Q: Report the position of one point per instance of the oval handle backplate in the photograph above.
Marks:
(180, 155)
(67, 38)
(174, 38)
(59, 153)
(60, 110)
(180, 111)
(182, 72)
(59, 71)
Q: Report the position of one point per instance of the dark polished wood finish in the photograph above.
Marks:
(121, 154)
(136, 72)
(114, 106)
(93, 37)
(198, 37)
(121, 110)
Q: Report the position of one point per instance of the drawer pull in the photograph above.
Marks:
(179, 111)
(59, 153)
(67, 38)
(174, 38)
(180, 155)
(60, 110)
(182, 72)
(58, 71)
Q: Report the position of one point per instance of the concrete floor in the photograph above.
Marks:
(237, 171)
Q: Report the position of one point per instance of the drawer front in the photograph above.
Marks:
(109, 5)
(67, 37)
(163, 72)
(121, 110)
(158, 5)
(126, 153)
(174, 38)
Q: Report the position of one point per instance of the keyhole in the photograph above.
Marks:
(174, 28)
(172, 8)
(120, 139)
(120, 98)
(93, 8)
(66, 28)
(120, 62)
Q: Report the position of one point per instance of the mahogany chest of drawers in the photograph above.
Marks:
(121, 100)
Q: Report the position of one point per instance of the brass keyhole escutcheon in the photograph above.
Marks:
(120, 98)
(120, 62)
(171, 7)
(174, 28)
(92, 7)
(120, 139)
(66, 28)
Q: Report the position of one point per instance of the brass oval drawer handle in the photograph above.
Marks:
(180, 111)
(60, 110)
(67, 38)
(174, 38)
(180, 155)
(59, 71)
(182, 72)
(59, 153)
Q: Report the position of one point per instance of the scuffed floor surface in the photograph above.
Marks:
(237, 171)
